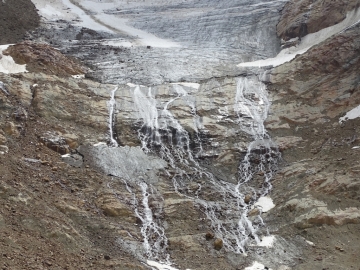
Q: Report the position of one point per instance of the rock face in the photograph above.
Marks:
(43, 58)
(317, 186)
(191, 156)
(17, 17)
(320, 99)
(299, 18)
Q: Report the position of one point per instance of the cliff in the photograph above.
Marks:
(142, 156)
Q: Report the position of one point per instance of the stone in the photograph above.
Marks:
(4, 149)
(11, 129)
(287, 142)
(55, 142)
(67, 208)
(209, 236)
(74, 160)
(20, 114)
(185, 243)
(247, 198)
(218, 243)
(111, 206)
(254, 212)
(3, 139)
(72, 140)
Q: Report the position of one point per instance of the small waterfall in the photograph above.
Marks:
(226, 208)
(112, 106)
(224, 203)
(252, 106)
(155, 242)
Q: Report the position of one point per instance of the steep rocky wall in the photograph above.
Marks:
(317, 188)
(322, 84)
(17, 17)
(66, 212)
(299, 18)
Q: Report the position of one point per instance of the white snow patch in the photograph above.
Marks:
(189, 84)
(96, 6)
(265, 203)
(7, 63)
(267, 241)
(79, 76)
(50, 11)
(99, 143)
(65, 156)
(131, 84)
(134, 85)
(256, 266)
(87, 20)
(310, 243)
(117, 43)
(310, 40)
(355, 147)
(161, 266)
(91, 14)
(145, 38)
(354, 113)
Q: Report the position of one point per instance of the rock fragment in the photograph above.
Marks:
(247, 198)
(11, 129)
(209, 236)
(218, 243)
(3, 139)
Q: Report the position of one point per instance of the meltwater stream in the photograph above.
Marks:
(225, 204)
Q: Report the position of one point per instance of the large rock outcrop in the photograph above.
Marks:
(42, 58)
(299, 18)
(17, 17)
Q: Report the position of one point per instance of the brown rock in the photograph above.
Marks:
(300, 17)
(43, 58)
(72, 140)
(254, 212)
(48, 263)
(209, 235)
(247, 198)
(4, 148)
(3, 139)
(218, 243)
(112, 207)
(11, 129)
(55, 142)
